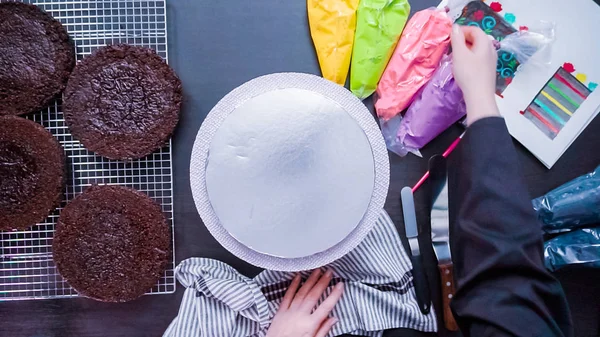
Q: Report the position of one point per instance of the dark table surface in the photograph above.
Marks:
(216, 46)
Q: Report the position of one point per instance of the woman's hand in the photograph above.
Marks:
(475, 58)
(295, 317)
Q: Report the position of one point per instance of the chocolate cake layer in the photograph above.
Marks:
(36, 58)
(32, 173)
(123, 102)
(111, 243)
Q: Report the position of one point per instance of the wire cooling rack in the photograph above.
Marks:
(26, 267)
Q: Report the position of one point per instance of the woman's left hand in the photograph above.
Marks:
(296, 318)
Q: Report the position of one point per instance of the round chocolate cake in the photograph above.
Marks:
(111, 243)
(32, 173)
(123, 102)
(36, 58)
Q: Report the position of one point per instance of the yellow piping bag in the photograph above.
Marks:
(332, 25)
(378, 28)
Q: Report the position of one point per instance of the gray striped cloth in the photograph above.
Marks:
(379, 293)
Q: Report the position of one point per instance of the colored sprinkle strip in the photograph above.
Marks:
(549, 111)
(543, 120)
(557, 103)
(565, 82)
(555, 88)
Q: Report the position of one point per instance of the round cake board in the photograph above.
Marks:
(233, 212)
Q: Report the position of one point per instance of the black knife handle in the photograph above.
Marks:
(421, 284)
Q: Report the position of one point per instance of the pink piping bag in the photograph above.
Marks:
(423, 43)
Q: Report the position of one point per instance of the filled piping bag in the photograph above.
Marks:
(378, 28)
(581, 248)
(332, 27)
(423, 43)
(440, 103)
(572, 205)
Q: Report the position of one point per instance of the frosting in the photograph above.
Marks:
(439, 105)
(332, 26)
(423, 43)
(378, 28)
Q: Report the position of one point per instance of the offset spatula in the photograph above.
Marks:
(440, 230)
(412, 234)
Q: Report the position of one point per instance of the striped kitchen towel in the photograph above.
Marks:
(379, 293)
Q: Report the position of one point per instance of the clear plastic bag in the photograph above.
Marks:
(581, 247)
(389, 130)
(572, 205)
(532, 46)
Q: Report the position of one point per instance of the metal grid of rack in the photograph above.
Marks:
(26, 267)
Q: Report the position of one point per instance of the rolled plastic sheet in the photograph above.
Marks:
(581, 248)
(378, 28)
(572, 205)
(424, 41)
(332, 27)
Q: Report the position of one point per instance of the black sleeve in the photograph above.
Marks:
(503, 288)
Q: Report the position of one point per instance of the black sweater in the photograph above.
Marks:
(496, 242)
